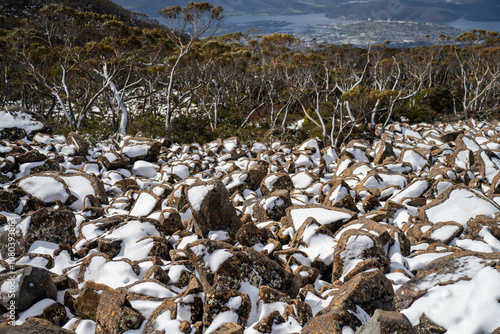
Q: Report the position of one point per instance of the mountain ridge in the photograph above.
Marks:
(407, 10)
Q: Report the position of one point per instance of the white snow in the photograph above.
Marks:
(461, 205)
(353, 254)
(318, 245)
(145, 169)
(414, 159)
(301, 180)
(420, 261)
(129, 234)
(415, 189)
(114, 273)
(45, 188)
(19, 120)
(135, 150)
(144, 205)
(215, 259)
(322, 215)
(164, 322)
(464, 307)
(196, 194)
(444, 232)
(79, 186)
(34, 310)
(220, 319)
(151, 289)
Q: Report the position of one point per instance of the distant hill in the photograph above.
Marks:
(234, 7)
(15, 10)
(421, 11)
(408, 10)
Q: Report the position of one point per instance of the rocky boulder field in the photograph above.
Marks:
(398, 235)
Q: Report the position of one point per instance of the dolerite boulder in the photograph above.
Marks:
(387, 322)
(360, 296)
(19, 124)
(255, 176)
(30, 156)
(25, 287)
(115, 314)
(189, 303)
(267, 238)
(69, 188)
(140, 148)
(34, 325)
(80, 144)
(446, 270)
(113, 160)
(219, 262)
(272, 207)
(48, 224)
(220, 299)
(8, 201)
(211, 208)
(276, 181)
(47, 188)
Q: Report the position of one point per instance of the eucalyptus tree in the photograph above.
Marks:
(185, 27)
(479, 75)
(52, 51)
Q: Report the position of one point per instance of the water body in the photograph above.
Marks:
(469, 25)
(302, 22)
(339, 31)
(292, 23)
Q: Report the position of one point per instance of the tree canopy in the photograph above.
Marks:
(101, 73)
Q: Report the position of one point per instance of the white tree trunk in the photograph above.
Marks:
(123, 108)
(63, 107)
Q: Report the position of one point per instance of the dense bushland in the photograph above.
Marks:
(103, 74)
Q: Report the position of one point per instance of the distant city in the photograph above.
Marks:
(401, 22)
(360, 33)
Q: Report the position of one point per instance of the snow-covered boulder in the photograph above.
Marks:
(16, 125)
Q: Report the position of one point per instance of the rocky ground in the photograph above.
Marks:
(138, 236)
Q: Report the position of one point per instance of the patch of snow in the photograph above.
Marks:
(322, 215)
(461, 205)
(45, 188)
(356, 245)
(135, 150)
(464, 307)
(19, 120)
(144, 205)
(196, 195)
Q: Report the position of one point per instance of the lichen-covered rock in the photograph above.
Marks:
(211, 208)
(115, 314)
(140, 148)
(276, 181)
(80, 144)
(8, 201)
(387, 322)
(355, 252)
(249, 235)
(353, 302)
(33, 325)
(217, 261)
(53, 225)
(25, 287)
(113, 160)
(272, 207)
(220, 299)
